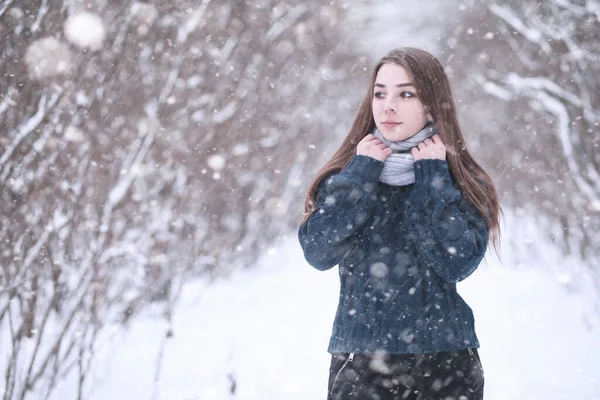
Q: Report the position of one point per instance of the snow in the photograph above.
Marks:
(195, 19)
(47, 57)
(14, 12)
(282, 24)
(145, 14)
(73, 134)
(240, 149)
(217, 162)
(225, 113)
(85, 30)
(194, 81)
(265, 332)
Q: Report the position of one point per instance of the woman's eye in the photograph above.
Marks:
(379, 95)
(406, 95)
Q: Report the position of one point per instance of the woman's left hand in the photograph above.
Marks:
(432, 148)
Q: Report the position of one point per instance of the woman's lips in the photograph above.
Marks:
(391, 124)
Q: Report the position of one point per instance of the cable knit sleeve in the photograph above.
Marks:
(450, 233)
(345, 202)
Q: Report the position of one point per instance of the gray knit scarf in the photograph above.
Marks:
(398, 168)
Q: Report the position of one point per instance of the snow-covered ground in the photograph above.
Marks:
(263, 334)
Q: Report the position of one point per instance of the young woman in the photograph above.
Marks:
(406, 212)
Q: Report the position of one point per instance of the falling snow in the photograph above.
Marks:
(48, 57)
(85, 30)
(156, 157)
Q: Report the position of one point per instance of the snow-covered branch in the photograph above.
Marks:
(572, 8)
(41, 12)
(564, 132)
(5, 6)
(513, 19)
(550, 95)
(116, 195)
(519, 84)
(7, 100)
(192, 22)
(279, 26)
(28, 127)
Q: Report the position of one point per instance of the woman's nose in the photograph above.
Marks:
(389, 107)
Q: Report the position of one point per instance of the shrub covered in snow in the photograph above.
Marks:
(175, 151)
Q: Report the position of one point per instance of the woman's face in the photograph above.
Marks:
(398, 112)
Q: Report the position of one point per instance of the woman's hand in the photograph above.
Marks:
(371, 146)
(432, 148)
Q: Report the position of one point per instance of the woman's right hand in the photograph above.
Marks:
(371, 146)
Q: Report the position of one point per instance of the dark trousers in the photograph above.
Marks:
(451, 374)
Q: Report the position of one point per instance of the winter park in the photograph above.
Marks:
(285, 200)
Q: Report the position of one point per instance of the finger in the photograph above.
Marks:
(421, 146)
(369, 138)
(414, 151)
(437, 139)
(428, 141)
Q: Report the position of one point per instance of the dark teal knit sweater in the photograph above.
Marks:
(400, 251)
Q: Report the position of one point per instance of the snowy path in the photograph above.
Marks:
(268, 329)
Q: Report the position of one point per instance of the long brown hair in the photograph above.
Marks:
(433, 89)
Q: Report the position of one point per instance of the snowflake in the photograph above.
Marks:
(85, 30)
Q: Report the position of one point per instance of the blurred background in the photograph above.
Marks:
(156, 154)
